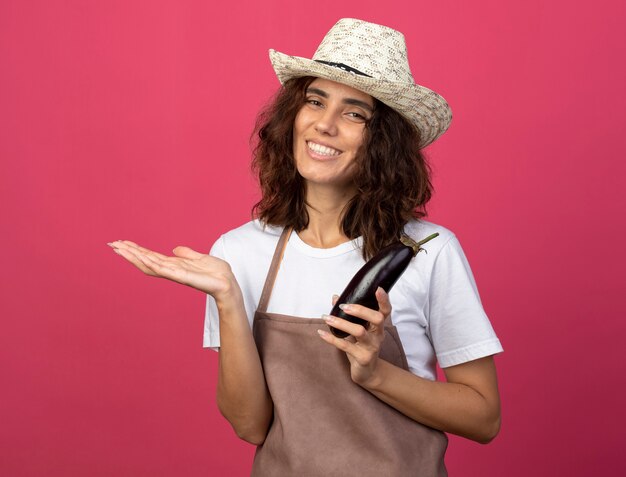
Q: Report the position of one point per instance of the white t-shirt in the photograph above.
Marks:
(435, 304)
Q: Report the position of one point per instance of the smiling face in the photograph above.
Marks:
(329, 130)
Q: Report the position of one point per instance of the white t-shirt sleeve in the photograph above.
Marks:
(211, 338)
(459, 327)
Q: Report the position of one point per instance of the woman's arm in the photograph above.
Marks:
(242, 394)
(468, 404)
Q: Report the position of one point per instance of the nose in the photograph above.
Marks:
(327, 122)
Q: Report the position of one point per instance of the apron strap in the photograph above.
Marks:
(273, 271)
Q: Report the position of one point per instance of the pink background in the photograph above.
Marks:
(131, 119)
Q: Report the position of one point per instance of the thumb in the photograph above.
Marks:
(186, 252)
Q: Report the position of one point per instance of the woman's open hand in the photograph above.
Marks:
(363, 345)
(203, 272)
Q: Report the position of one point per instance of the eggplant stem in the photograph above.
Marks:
(427, 239)
(417, 246)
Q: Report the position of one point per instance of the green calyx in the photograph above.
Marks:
(416, 246)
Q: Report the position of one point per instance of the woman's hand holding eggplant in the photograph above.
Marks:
(363, 345)
(188, 267)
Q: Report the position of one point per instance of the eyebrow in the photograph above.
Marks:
(352, 101)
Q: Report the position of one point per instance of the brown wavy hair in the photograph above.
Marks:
(392, 177)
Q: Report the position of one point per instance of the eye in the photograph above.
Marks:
(357, 116)
(313, 102)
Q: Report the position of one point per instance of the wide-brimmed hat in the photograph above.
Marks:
(373, 59)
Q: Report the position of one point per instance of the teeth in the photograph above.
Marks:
(325, 151)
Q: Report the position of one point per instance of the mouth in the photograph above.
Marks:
(323, 151)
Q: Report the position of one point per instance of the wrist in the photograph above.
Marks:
(375, 379)
(230, 297)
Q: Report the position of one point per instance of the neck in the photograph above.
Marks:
(325, 206)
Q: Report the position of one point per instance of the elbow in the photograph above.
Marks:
(250, 436)
(247, 429)
(488, 432)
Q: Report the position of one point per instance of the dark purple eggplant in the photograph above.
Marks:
(382, 270)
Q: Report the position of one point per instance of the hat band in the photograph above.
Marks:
(344, 67)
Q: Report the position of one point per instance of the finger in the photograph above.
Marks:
(134, 259)
(128, 245)
(374, 317)
(334, 299)
(154, 256)
(339, 343)
(384, 305)
(163, 268)
(186, 252)
(356, 351)
(353, 329)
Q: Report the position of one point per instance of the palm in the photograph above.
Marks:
(203, 272)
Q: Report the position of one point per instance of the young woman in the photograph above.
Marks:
(342, 175)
